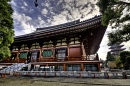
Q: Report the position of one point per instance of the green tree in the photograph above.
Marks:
(116, 14)
(118, 62)
(110, 57)
(123, 56)
(6, 28)
(128, 59)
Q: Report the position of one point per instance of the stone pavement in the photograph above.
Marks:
(59, 81)
(88, 81)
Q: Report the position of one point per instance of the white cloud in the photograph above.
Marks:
(13, 3)
(61, 19)
(24, 22)
(126, 45)
(44, 11)
(25, 4)
(128, 1)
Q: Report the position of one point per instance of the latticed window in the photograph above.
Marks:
(47, 53)
(90, 67)
(23, 55)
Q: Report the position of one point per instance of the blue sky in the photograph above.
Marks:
(27, 17)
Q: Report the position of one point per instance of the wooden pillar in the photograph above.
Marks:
(68, 44)
(40, 54)
(82, 67)
(68, 51)
(83, 51)
(64, 67)
(54, 51)
(17, 55)
(99, 66)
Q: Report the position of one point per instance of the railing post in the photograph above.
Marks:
(55, 73)
(124, 75)
(44, 74)
(94, 75)
(80, 75)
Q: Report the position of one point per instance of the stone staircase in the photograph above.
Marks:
(13, 68)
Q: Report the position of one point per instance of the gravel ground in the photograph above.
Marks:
(34, 81)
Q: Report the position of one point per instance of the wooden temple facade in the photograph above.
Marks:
(71, 46)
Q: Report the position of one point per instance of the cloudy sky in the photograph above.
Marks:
(27, 17)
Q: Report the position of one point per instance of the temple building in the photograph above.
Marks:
(116, 49)
(71, 46)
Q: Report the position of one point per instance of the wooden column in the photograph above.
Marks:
(64, 67)
(40, 54)
(68, 51)
(82, 67)
(54, 51)
(17, 55)
(83, 51)
(99, 66)
(68, 44)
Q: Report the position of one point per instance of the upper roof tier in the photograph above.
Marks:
(61, 27)
(116, 46)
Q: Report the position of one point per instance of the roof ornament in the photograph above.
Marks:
(36, 4)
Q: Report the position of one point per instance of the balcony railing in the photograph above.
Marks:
(49, 59)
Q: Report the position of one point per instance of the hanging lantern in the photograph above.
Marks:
(36, 4)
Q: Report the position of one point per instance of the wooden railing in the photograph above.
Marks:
(23, 60)
(58, 59)
(9, 61)
(49, 59)
(84, 74)
(74, 59)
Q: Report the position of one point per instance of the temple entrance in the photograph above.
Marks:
(34, 56)
(61, 54)
(29, 57)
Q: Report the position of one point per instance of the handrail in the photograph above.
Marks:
(74, 74)
(13, 68)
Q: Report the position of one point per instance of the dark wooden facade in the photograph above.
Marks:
(70, 45)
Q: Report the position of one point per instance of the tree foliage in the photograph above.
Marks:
(118, 62)
(128, 59)
(125, 59)
(110, 57)
(6, 28)
(116, 13)
(123, 56)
